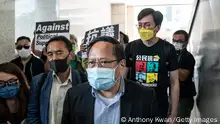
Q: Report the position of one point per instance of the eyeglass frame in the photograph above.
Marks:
(20, 47)
(101, 62)
(6, 83)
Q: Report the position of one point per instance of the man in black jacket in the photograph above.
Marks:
(108, 97)
(186, 63)
(26, 61)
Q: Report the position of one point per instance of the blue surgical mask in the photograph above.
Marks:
(101, 78)
(9, 90)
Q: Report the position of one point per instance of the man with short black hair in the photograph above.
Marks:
(124, 39)
(186, 64)
(48, 90)
(26, 61)
(108, 98)
(150, 59)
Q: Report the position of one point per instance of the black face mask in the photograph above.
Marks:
(60, 65)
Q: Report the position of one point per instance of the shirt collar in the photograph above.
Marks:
(69, 77)
(121, 88)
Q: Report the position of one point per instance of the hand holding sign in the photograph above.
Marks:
(82, 48)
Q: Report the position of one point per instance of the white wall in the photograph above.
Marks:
(24, 18)
(85, 14)
(7, 27)
(27, 12)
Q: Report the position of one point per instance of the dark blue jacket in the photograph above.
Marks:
(40, 114)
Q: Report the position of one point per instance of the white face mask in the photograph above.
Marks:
(178, 46)
(24, 53)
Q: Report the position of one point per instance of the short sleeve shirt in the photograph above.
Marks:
(150, 65)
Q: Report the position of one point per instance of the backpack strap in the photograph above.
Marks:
(132, 49)
(40, 84)
(166, 51)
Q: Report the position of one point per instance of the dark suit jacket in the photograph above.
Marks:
(137, 101)
(40, 114)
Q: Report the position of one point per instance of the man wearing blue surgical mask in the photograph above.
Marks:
(108, 97)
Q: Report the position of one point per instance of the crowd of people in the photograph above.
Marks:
(117, 79)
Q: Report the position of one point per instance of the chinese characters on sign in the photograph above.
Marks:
(110, 30)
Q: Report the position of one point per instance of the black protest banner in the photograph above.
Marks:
(46, 30)
(52, 26)
(110, 30)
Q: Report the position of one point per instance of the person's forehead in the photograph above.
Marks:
(56, 45)
(101, 50)
(147, 19)
(102, 45)
(6, 76)
(179, 37)
(22, 42)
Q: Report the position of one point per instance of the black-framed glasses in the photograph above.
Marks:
(9, 82)
(103, 63)
(19, 47)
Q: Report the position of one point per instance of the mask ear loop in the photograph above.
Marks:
(185, 45)
(119, 77)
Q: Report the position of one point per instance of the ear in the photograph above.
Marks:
(185, 45)
(157, 29)
(122, 63)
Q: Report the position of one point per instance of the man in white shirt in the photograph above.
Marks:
(48, 90)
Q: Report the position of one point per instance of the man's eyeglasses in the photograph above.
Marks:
(103, 63)
(19, 47)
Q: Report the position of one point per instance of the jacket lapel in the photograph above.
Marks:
(75, 77)
(90, 103)
(45, 95)
(126, 103)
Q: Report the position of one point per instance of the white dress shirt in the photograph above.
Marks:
(57, 97)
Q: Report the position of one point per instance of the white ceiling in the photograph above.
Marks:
(158, 2)
(70, 4)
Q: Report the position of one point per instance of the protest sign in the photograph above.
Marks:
(110, 30)
(46, 30)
